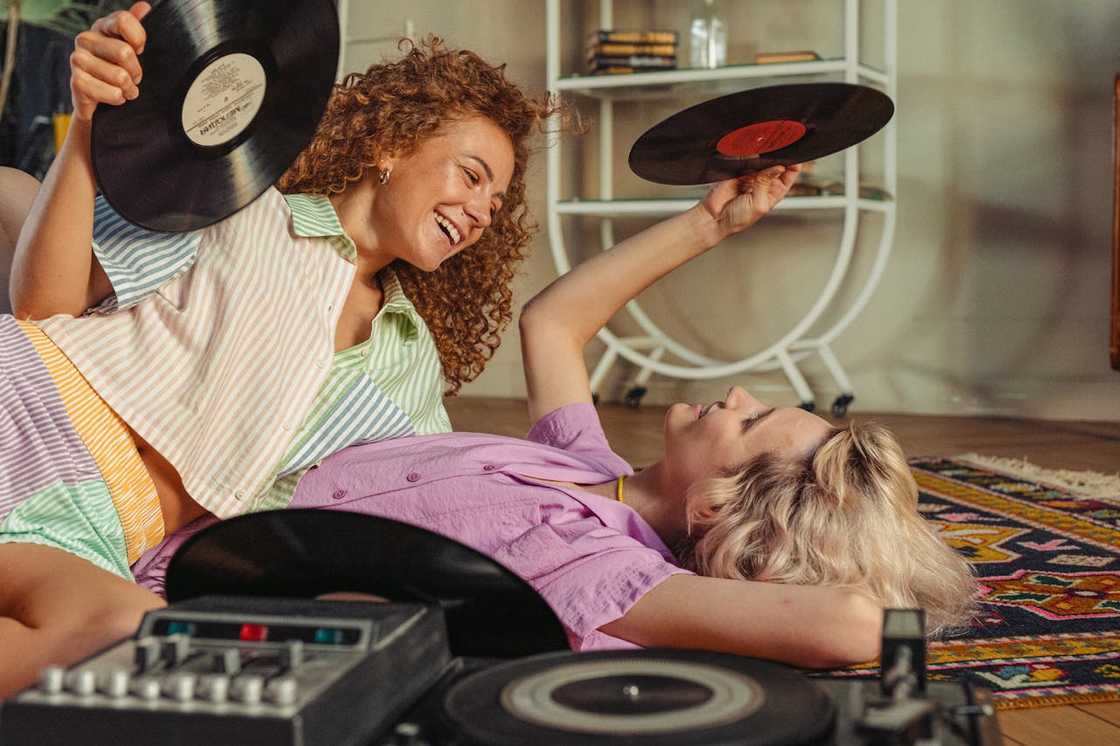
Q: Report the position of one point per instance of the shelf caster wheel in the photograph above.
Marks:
(595, 399)
(840, 406)
(808, 406)
(633, 398)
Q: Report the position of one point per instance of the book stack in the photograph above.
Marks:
(773, 58)
(615, 52)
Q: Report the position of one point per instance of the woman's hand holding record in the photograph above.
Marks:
(234, 90)
(105, 65)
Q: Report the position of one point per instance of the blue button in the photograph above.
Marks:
(326, 636)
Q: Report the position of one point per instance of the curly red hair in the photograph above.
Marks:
(390, 110)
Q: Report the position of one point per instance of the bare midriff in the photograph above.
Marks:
(177, 507)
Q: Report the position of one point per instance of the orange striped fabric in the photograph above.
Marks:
(111, 446)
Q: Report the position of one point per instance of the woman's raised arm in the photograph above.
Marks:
(54, 270)
(807, 626)
(557, 323)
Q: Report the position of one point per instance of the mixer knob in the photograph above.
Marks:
(180, 687)
(175, 649)
(228, 661)
(51, 679)
(213, 688)
(291, 655)
(82, 682)
(146, 653)
(146, 688)
(283, 691)
(247, 689)
(116, 683)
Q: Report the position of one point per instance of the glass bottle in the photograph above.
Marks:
(707, 36)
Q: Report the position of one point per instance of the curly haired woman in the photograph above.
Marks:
(161, 377)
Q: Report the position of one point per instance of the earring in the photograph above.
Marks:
(383, 175)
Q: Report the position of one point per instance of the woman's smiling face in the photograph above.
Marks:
(439, 199)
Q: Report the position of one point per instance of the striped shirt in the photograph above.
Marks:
(217, 348)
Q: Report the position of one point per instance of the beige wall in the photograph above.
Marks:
(995, 300)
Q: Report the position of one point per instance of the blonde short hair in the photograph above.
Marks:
(846, 516)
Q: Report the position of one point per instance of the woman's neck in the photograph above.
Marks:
(648, 493)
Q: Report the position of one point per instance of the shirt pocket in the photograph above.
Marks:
(537, 552)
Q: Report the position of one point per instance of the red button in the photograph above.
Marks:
(254, 632)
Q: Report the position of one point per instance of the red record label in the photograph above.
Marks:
(761, 137)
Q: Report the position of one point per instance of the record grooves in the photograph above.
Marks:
(232, 91)
(752, 130)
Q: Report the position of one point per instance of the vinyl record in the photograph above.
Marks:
(232, 92)
(753, 130)
(306, 553)
(648, 697)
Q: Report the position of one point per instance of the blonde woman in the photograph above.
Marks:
(762, 531)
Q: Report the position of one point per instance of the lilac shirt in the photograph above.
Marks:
(590, 557)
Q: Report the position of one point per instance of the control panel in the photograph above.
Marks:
(215, 671)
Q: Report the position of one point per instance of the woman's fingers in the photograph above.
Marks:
(125, 25)
(92, 91)
(112, 50)
(105, 65)
(105, 72)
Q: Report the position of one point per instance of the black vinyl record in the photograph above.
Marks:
(232, 91)
(649, 697)
(306, 553)
(752, 130)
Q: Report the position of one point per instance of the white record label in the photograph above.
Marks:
(223, 99)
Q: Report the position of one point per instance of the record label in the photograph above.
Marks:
(756, 139)
(223, 99)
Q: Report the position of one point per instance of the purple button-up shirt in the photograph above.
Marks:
(590, 557)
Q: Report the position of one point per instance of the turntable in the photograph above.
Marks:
(430, 667)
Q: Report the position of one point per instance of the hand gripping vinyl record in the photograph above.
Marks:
(752, 130)
(232, 91)
(650, 697)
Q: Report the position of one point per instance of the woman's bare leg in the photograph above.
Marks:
(17, 192)
(56, 608)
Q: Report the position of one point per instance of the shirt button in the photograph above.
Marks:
(330, 307)
(338, 494)
(413, 477)
(239, 494)
(489, 467)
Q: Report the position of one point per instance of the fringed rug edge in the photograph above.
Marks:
(1083, 484)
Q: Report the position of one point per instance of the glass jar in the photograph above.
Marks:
(707, 36)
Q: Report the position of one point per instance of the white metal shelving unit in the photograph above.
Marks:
(648, 350)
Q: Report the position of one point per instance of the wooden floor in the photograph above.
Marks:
(636, 435)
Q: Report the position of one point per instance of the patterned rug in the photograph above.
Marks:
(1049, 568)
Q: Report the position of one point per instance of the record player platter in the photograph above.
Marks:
(643, 697)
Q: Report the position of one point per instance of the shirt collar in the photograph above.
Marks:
(313, 216)
(395, 301)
